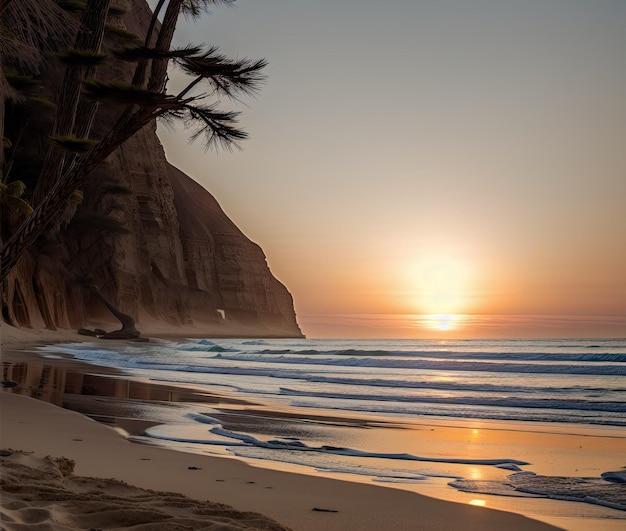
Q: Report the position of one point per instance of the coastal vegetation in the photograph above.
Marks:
(77, 39)
(93, 199)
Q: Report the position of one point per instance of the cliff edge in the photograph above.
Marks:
(155, 242)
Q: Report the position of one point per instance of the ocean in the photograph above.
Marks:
(370, 402)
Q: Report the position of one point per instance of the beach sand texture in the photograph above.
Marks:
(44, 491)
(297, 501)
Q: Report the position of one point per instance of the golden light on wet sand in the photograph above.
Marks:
(478, 503)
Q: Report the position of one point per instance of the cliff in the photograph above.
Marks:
(156, 243)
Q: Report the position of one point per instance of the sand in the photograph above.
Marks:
(40, 491)
(297, 501)
(43, 491)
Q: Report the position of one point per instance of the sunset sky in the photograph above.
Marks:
(412, 162)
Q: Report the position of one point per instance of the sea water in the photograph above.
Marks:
(569, 383)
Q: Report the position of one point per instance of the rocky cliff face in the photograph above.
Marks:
(220, 260)
(174, 256)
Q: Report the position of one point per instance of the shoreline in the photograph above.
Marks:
(303, 520)
(299, 501)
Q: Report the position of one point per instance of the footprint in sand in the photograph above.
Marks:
(33, 515)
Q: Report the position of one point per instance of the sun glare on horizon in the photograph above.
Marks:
(442, 322)
(442, 287)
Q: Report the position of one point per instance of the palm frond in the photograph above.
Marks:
(76, 197)
(138, 53)
(37, 25)
(19, 54)
(121, 35)
(15, 188)
(194, 8)
(73, 6)
(123, 94)
(17, 205)
(72, 144)
(217, 127)
(78, 58)
(117, 11)
(40, 105)
(226, 76)
(26, 85)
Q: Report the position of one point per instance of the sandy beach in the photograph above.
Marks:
(42, 439)
(297, 501)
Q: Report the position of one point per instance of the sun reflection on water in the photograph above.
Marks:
(475, 473)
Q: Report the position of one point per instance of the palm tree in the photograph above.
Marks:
(82, 61)
(146, 99)
(28, 28)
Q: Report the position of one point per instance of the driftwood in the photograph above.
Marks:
(128, 330)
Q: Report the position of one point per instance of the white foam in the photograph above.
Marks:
(587, 490)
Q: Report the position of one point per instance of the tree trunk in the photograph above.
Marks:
(89, 39)
(139, 78)
(47, 210)
(128, 330)
(158, 73)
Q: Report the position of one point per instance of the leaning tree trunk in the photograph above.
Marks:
(56, 199)
(128, 330)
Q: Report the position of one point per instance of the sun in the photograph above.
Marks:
(442, 288)
(442, 322)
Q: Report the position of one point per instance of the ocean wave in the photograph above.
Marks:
(297, 445)
(499, 401)
(392, 384)
(607, 357)
(589, 490)
(465, 378)
(81, 350)
(456, 386)
(202, 418)
(459, 411)
(218, 435)
(452, 365)
(255, 342)
(615, 477)
(203, 347)
(328, 463)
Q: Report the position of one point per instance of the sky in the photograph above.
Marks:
(430, 168)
